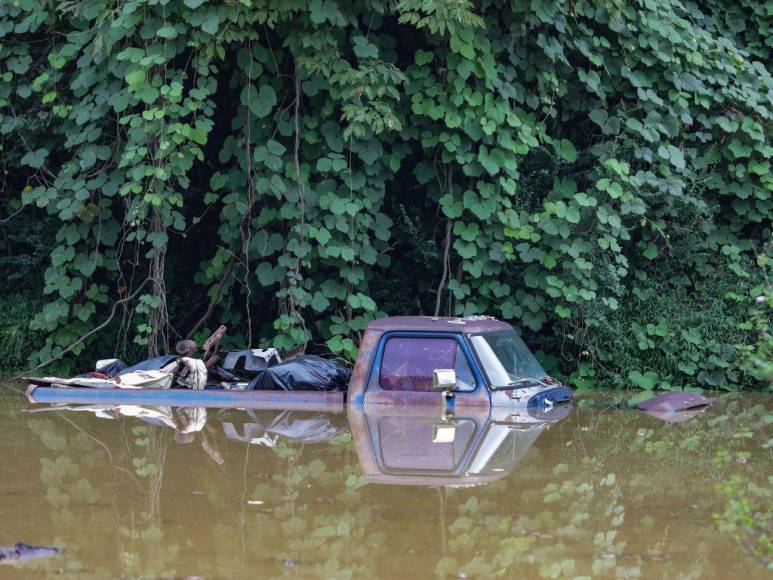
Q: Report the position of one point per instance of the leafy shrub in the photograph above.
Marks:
(668, 335)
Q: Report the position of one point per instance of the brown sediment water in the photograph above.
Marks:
(394, 493)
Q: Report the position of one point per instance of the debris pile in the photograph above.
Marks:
(249, 369)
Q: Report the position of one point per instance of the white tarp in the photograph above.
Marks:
(145, 380)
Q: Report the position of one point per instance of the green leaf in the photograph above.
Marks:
(275, 147)
(465, 249)
(338, 206)
(565, 149)
(193, 4)
(265, 273)
(167, 32)
(323, 236)
(634, 125)
(135, 78)
(367, 303)
(676, 156)
(363, 48)
(646, 381)
(211, 24)
(263, 102)
(468, 232)
(489, 160)
(739, 150)
(599, 116)
(324, 10)
(423, 57)
(651, 252)
(319, 303)
(35, 159)
(573, 214)
(759, 167)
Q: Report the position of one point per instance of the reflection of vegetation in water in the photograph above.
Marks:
(142, 552)
(313, 510)
(603, 493)
(621, 504)
(66, 475)
(746, 512)
(332, 538)
(77, 459)
(542, 543)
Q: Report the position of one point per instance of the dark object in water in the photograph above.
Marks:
(675, 401)
(304, 373)
(21, 552)
(675, 407)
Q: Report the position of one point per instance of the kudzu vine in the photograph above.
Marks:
(259, 163)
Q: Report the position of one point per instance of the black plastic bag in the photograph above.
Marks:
(304, 373)
(152, 364)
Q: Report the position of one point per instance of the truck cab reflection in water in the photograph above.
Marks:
(394, 445)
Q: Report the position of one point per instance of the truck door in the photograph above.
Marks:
(402, 371)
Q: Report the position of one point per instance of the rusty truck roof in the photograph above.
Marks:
(443, 324)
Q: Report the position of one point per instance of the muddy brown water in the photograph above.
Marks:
(213, 493)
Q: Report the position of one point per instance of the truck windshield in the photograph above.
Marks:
(506, 360)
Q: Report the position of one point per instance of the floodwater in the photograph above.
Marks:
(602, 492)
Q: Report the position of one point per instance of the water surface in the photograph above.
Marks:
(601, 492)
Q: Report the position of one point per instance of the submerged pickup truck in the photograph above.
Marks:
(452, 363)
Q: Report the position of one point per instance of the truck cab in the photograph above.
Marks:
(454, 363)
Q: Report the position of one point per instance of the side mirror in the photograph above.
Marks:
(444, 379)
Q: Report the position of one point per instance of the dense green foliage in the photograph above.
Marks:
(595, 172)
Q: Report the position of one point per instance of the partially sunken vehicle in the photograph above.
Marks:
(453, 363)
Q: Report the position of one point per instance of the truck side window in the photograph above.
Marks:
(408, 363)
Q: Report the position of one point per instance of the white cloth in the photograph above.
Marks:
(188, 372)
(193, 373)
(145, 380)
